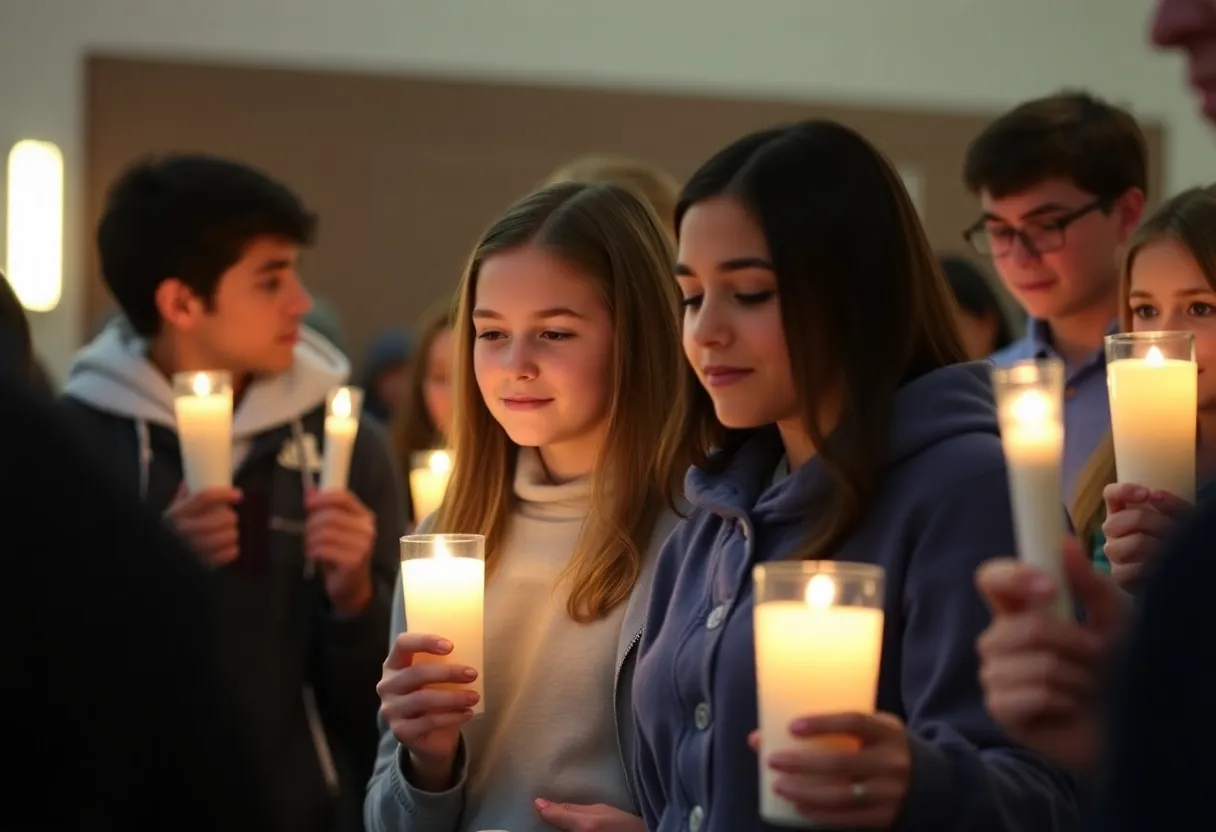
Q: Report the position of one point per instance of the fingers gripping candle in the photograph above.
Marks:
(202, 405)
(443, 583)
(1030, 409)
(343, 406)
(818, 632)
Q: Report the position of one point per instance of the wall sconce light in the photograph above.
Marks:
(35, 224)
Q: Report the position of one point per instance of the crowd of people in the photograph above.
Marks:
(647, 388)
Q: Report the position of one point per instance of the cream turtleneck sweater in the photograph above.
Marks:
(550, 724)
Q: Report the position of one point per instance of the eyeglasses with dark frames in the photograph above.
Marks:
(1037, 238)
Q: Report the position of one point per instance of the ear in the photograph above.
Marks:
(177, 304)
(1130, 210)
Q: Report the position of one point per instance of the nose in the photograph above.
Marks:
(1175, 22)
(708, 326)
(518, 359)
(1022, 254)
(300, 301)
(1175, 321)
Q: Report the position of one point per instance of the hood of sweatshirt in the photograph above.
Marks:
(936, 407)
(113, 374)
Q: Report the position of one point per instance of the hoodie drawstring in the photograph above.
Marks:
(306, 478)
(144, 440)
(316, 727)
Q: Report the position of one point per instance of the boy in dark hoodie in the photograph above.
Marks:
(201, 255)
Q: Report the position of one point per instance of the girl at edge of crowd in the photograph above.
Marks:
(424, 417)
(1045, 680)
(567, 450)
(820, 328)
(1168, 282)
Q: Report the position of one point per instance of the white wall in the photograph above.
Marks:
(975, 54)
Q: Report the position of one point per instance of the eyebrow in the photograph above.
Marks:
(736, 264)
(551, 312)
(275, 266)
(1034, 213)
(1185, 293)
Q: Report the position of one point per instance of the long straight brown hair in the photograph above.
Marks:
(616, 240)
(864, 304)
(1190, 220)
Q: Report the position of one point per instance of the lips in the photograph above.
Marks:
(524, 402)
(1034, 285)
(721, 375)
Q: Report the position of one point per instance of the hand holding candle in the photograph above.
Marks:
(202, 402)
(818, 634)
(1153, 382)
(342, 409)
(429, 473)
(443, 583)
(1030, 409)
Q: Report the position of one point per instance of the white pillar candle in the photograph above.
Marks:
(202, 403)
(443, 582)
(429, 473)
(818, 638)
(342, 409)
(1153, 382)
(1030, 408)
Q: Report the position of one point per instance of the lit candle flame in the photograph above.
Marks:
(1154, 357)
(820, 591)
(1030, 408)
(441, 551)
(201, 384)
(340, 406)
(439, 462)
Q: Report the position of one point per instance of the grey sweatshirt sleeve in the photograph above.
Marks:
(966, 774)
(392, 804)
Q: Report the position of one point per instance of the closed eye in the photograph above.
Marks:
(754, 298)
(691, 302)
(554, 335)
(490, 335)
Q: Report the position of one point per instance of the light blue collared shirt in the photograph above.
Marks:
(1086, 402)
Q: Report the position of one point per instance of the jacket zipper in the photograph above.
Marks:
(325, 757)
(616, 717)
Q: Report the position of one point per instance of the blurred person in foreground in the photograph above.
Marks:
(1152, 764)
(110, 699)
(16, 345)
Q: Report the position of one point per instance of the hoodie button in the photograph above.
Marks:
(716, 616)
(695, 818)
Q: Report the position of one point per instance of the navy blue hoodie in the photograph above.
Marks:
(942, 508)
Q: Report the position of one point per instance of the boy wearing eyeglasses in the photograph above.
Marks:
(1061, 182)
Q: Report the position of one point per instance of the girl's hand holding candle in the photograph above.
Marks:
(818, 633)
